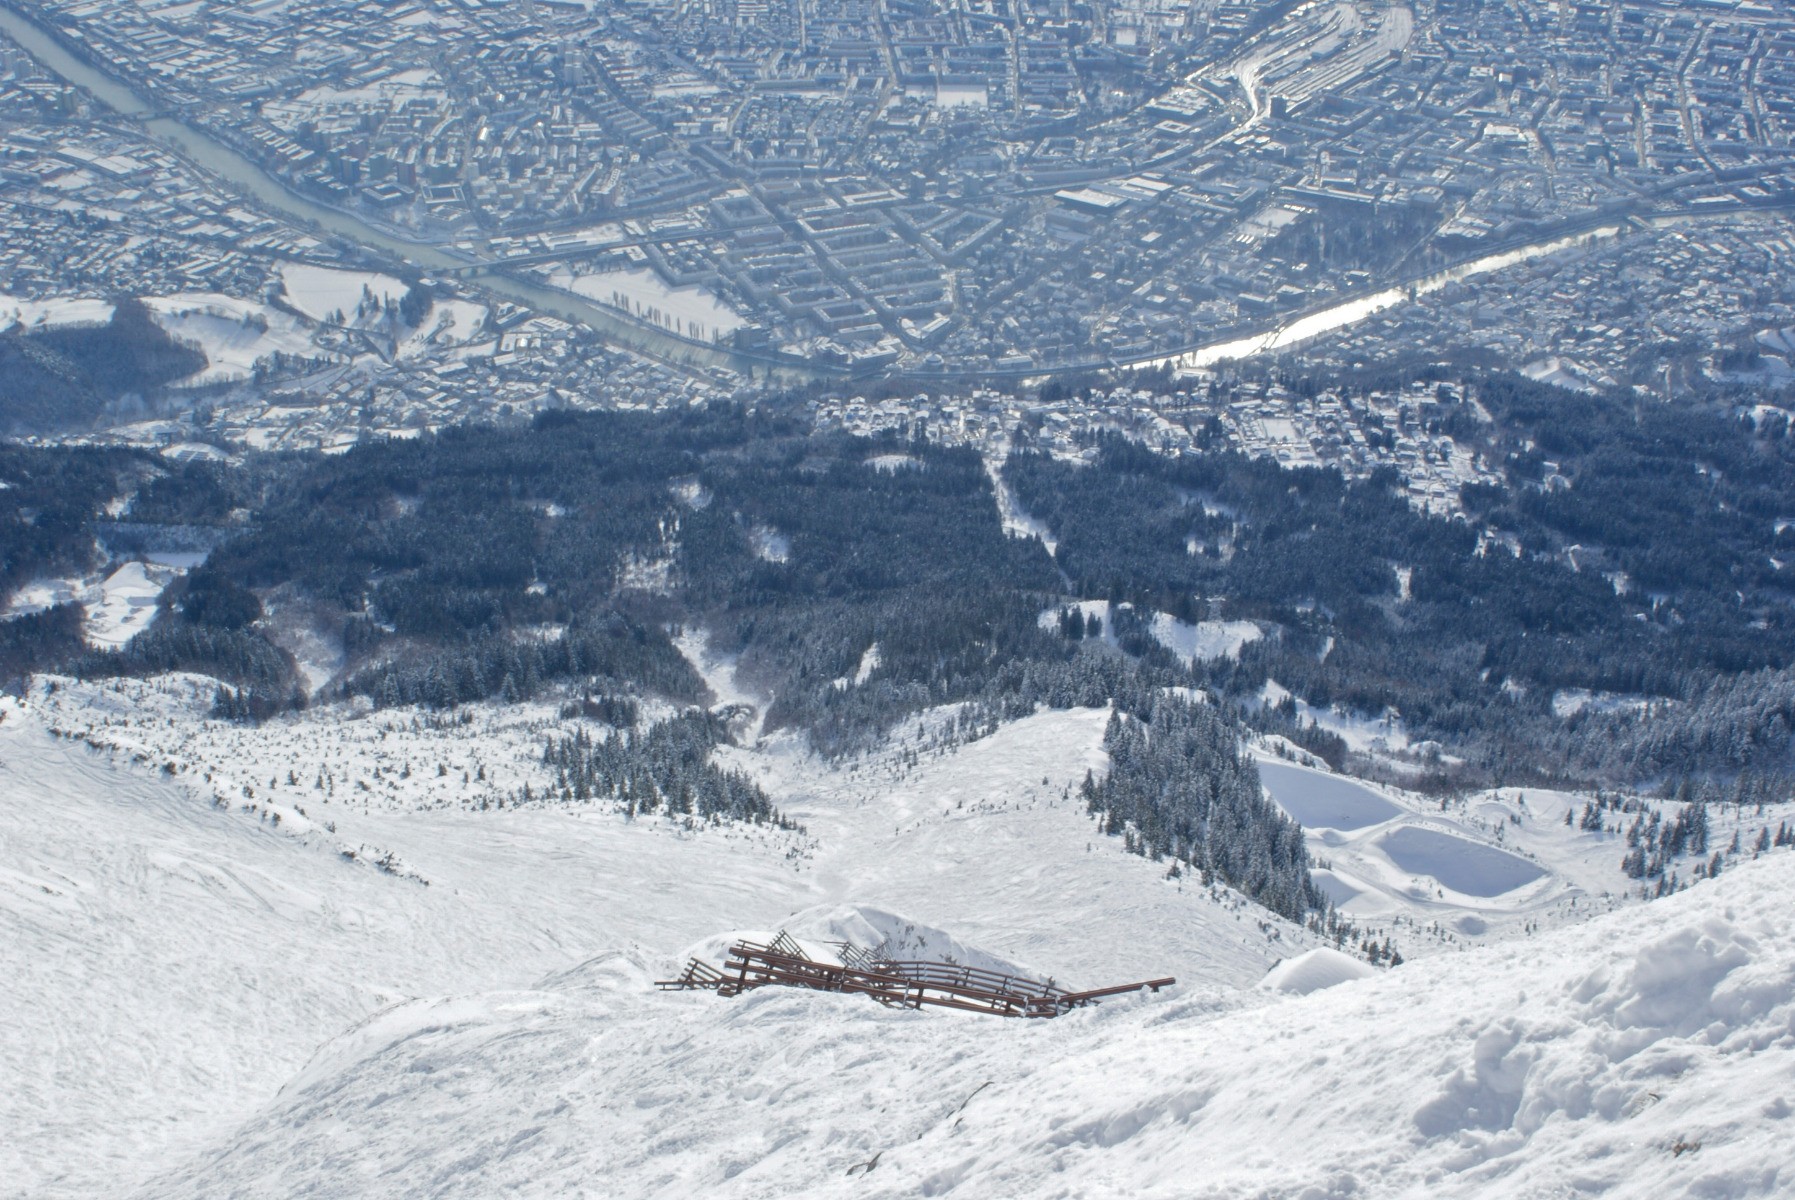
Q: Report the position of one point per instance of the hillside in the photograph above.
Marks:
(175, 958)
(181, 944)
(63, 378)
(1649, 1053)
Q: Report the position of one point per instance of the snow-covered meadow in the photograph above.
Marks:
(120, 600)
(330, 295)
(1198, 641)
(233, 334)
(52, 312)
(692, 311)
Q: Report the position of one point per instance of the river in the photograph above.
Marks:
(213, 156)
(1351, 312)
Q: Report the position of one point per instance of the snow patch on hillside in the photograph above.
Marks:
(125, 602)
(1568, 702)
(1204, 640)
(769, 544)
(692, 494)
(120, 602)
(869, 662)
(1366, 734)
(52, 312)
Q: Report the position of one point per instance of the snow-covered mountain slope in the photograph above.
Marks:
(1648, 1053)
(175, 954)
(988, 838)
(166, 964)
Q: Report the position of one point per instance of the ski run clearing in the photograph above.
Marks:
(315, 957)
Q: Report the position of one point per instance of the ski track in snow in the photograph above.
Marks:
(220, 1005)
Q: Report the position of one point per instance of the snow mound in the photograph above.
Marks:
(1314, 970)
(820, 930)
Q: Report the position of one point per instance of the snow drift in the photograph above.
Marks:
(1315, 969)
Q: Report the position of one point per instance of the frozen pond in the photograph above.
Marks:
(1464, 866)
(1316, 800)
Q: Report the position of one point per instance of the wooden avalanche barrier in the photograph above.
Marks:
(894, 983)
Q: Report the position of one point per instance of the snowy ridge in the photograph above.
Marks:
(1648, 1053)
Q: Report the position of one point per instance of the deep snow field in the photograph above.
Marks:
(317, 957)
